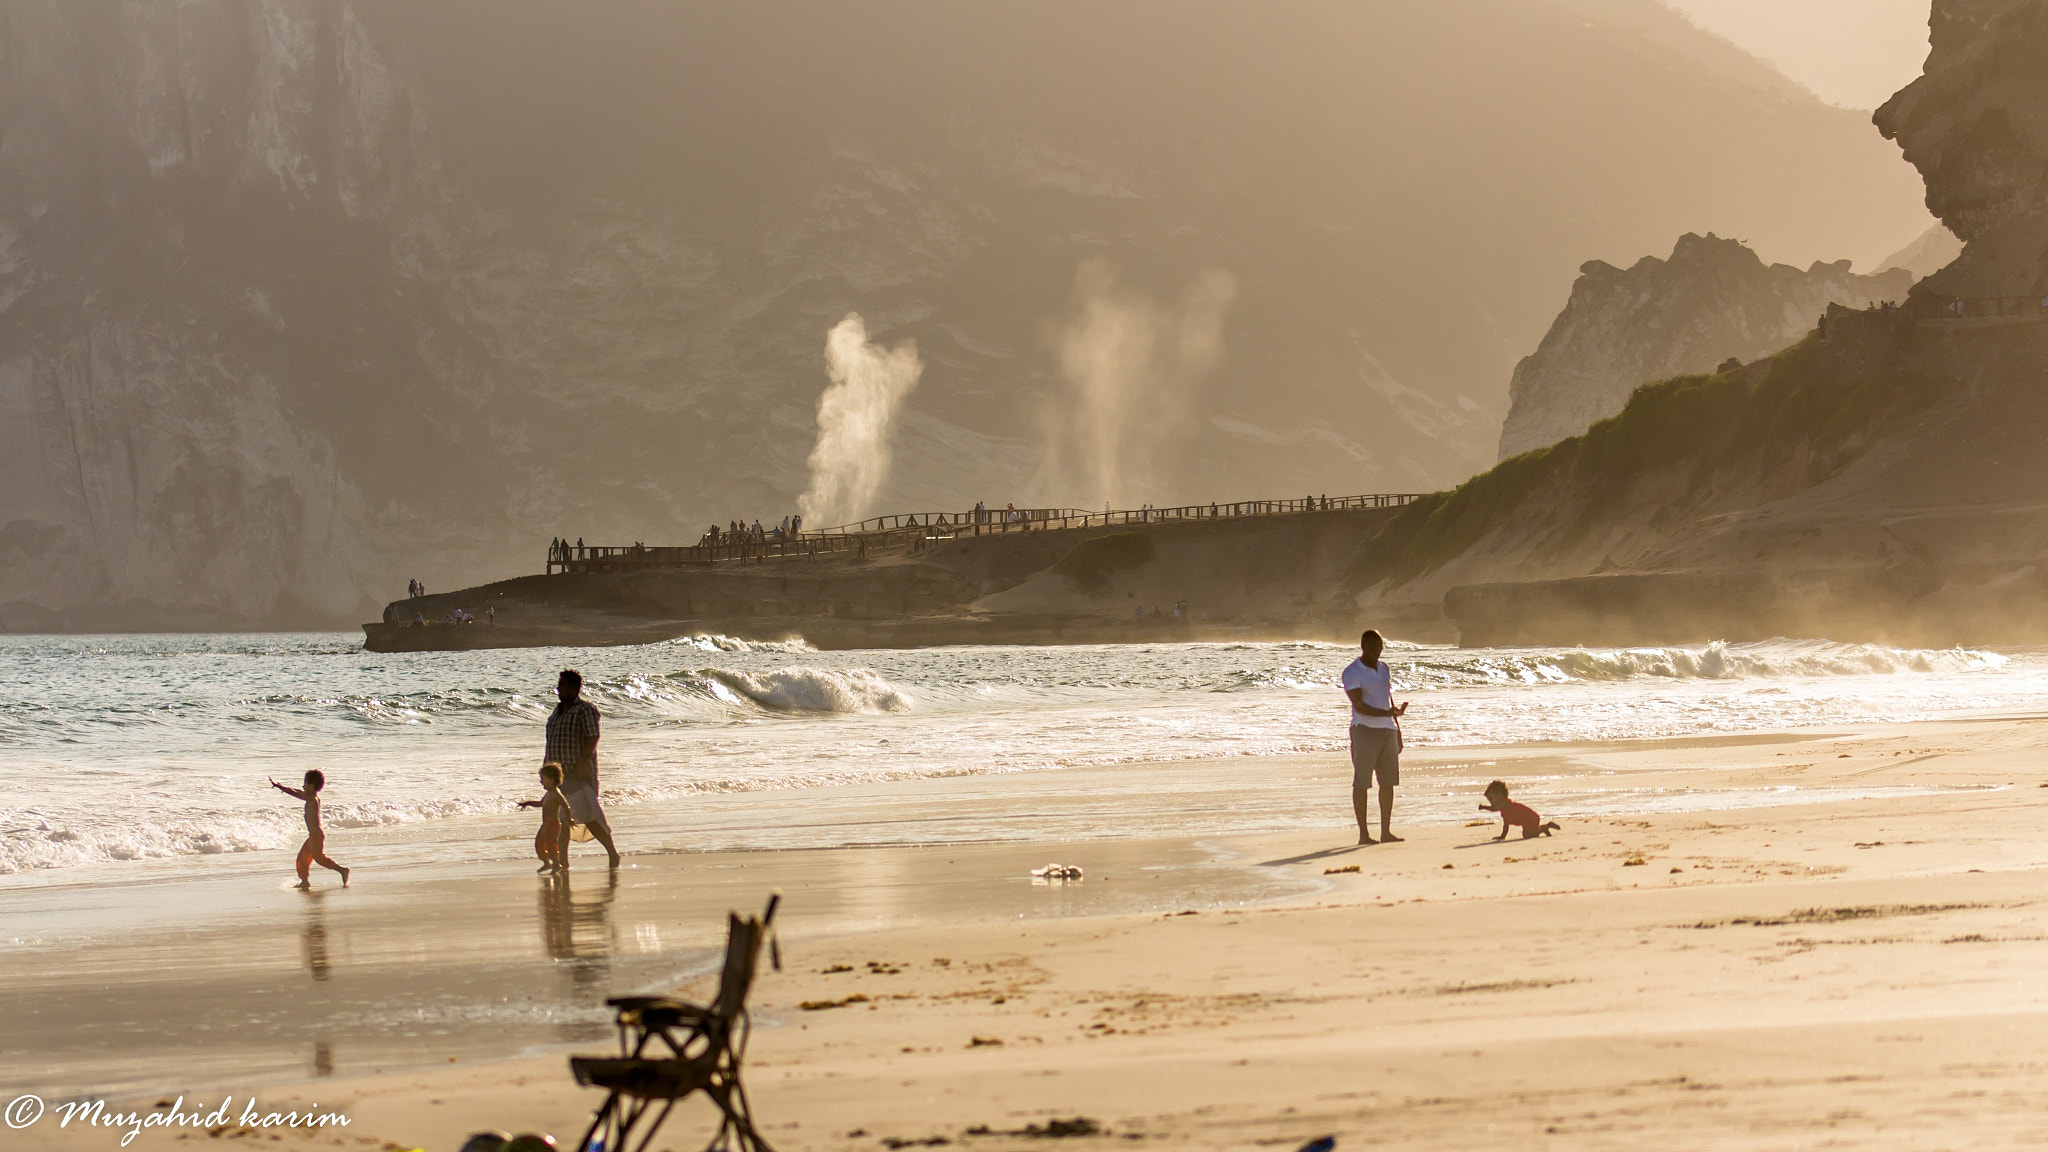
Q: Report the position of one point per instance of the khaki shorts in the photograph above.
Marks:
(1375, 752)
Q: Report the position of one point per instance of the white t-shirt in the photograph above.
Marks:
(1378, 684)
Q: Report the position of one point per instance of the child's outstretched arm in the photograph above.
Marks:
(532, 803)
(294, 793)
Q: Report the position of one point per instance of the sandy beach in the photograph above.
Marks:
(1857, 964)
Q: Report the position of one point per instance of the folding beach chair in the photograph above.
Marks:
(671, 1048)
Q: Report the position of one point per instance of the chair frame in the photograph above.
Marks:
(695, 1048)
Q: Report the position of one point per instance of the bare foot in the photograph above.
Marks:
(344, 877)
(615, 862)
(1390, 838)
(304, 885)
(1365, 840)
(545, 868)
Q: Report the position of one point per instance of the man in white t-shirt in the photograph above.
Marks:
(1375, 736)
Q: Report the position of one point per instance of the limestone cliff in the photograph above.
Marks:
(1713, 300)
(1882, 479)
(300, 298)
(1976, 126)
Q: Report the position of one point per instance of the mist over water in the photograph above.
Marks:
(852, 455)
(134, 747)
(1128, 362)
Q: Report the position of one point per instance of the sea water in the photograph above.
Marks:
(130, 748)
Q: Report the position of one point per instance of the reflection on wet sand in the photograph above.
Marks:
(578, 933)
(313, 937)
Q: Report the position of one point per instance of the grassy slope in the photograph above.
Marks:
(1680, 449)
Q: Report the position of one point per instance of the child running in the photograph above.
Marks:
(551, 843)
(314, 850)
(1513, 815)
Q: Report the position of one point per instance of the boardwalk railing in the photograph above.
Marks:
(914, 530)
(1977, 308)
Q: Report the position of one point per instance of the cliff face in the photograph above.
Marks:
(1881, 479)
(1976, 126)
(1712, 300)
(300, 298)
(1881, 484)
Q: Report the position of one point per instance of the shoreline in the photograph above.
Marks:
(1288, 783)
(227, 979)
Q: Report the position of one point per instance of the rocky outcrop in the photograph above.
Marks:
(1934, 250)
(1880, 480)
(300, 298)
(1713, 300)
(1257, 577)
(1882, 484)
(1976, 126)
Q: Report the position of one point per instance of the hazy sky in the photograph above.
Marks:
(1855, 53)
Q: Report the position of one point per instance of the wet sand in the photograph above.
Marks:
(1857, 962)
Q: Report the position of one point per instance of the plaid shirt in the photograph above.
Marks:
(570, 727)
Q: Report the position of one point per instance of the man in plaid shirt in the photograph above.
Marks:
(572, 743)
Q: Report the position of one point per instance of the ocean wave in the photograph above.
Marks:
(717, 643)
(31, 841)
(856, 690)
(1768, 659)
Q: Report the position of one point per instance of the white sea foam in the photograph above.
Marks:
(125, 748)
(714, 642)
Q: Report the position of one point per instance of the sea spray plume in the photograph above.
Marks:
(851, 458)
(1127, 361)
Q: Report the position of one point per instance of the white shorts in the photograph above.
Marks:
(584, 808)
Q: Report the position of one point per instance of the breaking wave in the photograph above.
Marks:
(1768, 659)
(123, 748)
(856, 690)
(717, 643)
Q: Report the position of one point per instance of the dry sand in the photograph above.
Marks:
(1860, 972)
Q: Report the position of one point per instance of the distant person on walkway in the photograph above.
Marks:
(579, 549)
(314, 850)
(1375, 736)
(796, 525)
(572, 743)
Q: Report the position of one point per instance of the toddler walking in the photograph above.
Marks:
(551, 843)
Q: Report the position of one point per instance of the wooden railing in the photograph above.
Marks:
(917, 529)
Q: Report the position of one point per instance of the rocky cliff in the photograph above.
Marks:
(1713, 300)
(300, 298)
(1936, 249)
(1881, 479)
(1976, 126)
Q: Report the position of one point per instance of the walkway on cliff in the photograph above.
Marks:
(915, 529)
